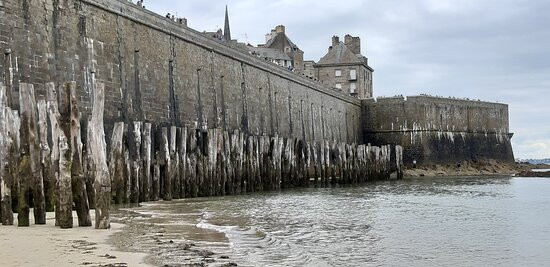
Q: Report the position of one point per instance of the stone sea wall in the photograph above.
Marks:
(434, 130)
(155, 70)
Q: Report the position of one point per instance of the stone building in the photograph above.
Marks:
(345, 69)
(279, 49)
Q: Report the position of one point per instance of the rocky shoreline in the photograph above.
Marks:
(534, 170)
(479, 168)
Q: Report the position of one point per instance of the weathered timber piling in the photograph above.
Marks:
(88, 170)
(9, 129)
(211, 154)
(146, 179)
(126, 171)
(181, 153)
(27, 166)
(64, 209)
(117, 164)
(174, 164)
(165, 165)
(51, 185)
(78, 182)
(102, 183)
(399, 161)
(315, 162)
(236, 160)
(49, 168)
(52, 155)
(191, 165)
(134, 144)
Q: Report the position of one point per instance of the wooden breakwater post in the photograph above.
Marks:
(30, 174)
(70, 124)
(117, 164)
(100, 170)
(9, 151)
(146, 179)
(191, 165)
(399, 161)
(176, 161)
(64, 210)
(134, 157)
(182, 156)
(52, 183)
(49, 168)
(165, 163)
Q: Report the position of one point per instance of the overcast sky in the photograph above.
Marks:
(494, 50)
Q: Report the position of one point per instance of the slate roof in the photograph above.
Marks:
(277, 37)
(341, 54)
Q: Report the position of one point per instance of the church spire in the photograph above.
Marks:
(226, 30)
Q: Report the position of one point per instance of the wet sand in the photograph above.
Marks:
(171, 233)
(47, 245)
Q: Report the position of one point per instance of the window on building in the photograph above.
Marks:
(338, 73)
(338, 86)
(352, 88)
(353, 75)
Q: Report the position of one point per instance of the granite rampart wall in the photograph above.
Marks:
(159, 71)
(435, 130)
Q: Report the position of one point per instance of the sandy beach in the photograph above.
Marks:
(47, 245)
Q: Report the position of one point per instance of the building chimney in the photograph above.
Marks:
(353, 43)
(267, 37)
(335, 41)
(273, 34)
(280, 29)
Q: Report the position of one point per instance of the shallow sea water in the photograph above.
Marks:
(459, 221)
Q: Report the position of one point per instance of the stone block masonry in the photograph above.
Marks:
(155, 70)
(434, 130)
